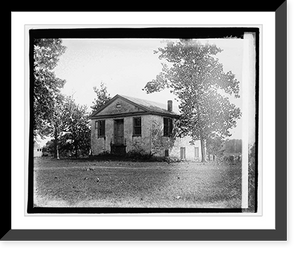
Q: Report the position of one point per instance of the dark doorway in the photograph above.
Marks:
(119, 132)
(118, 147)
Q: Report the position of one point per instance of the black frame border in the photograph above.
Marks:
(277, 234)
(148, 32)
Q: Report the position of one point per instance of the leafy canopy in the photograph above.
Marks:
(70, 127)
(46, 85)
(76, 135)
(192, 72)
(102, 97)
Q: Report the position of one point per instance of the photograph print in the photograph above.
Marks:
(144, 120)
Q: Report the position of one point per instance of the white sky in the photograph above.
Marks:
(126, 65)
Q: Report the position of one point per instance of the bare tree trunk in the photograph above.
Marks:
(203, 150)
(203, 142)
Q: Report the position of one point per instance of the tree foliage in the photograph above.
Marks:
(46, 85)
(233, 146)
(252, 178)
(57, 115)
(76, 137)
(102, 97)
(214, 146)
(192, 72)
(70, 129)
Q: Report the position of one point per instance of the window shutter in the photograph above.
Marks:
(97, 128)
(102, 128)
(171, 126)
(166, 127)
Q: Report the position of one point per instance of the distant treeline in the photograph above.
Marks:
(232, 146)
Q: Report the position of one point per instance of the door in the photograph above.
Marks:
(196, 152)
(119, 132)
(182, 153)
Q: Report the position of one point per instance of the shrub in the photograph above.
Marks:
(139, 155)
(252, 175)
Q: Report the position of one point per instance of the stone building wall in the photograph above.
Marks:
(138, 143)
(151, 139)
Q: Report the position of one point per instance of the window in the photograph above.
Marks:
(100, 128)
(168, 127)
(137, 126)
(167, 153)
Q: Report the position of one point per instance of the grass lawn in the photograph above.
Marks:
(83, 183)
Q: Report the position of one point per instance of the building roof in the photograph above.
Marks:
(148, 107)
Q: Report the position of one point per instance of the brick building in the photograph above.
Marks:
(125, 124)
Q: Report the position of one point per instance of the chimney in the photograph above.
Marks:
(170, 105)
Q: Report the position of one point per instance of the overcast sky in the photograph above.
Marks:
(126, 65)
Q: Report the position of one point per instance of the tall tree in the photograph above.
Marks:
(69, 127)
(77, 131)
(57, 123)
(193, 73)
(102, 97)
(46, 85)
